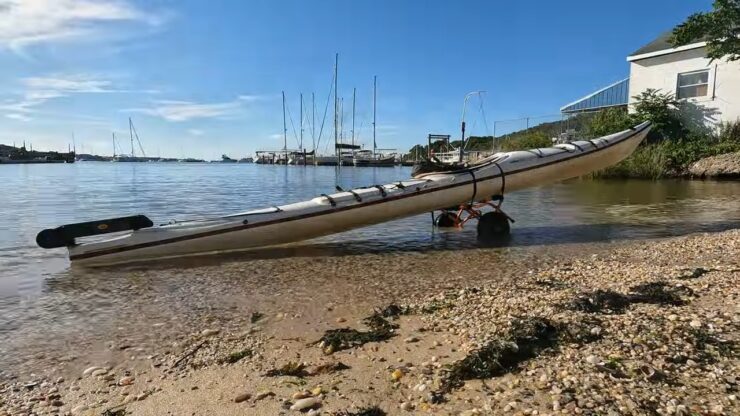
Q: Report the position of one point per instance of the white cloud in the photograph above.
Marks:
(195, 132)
(176, 111)
(19, 117)
(276, 136)
(27, 22)
(39, 90)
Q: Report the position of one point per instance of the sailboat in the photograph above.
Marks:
(332, 160)
(367, 158)
(132, 157)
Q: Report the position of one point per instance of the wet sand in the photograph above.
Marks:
(194, 339)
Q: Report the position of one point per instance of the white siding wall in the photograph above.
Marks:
(661, 72)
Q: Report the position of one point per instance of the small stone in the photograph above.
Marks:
(411, 339)
(209, 332)
(317, 390)
(672, 317)
(99, 372)
(89, 370)
(242, 397)
(718, 409)
(407, 406)
(261, 395)
(341, 320)
(57, 403)
(695, 323)
(141, 396)
(79, 409)
(592, 359)
(300, 395)
(60, 380)
(596, 330)
(306, 403)
(126, 381)
(396, 375)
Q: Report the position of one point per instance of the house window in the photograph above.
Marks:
(693, 84)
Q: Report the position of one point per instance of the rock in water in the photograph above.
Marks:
(306, 403)
(721, 166)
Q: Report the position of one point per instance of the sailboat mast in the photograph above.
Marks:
(285, 130)
(354, 93)
(336, 104)
(114, 144)
(131, 133)
(300, 147)
(313, 121)
(375, 84)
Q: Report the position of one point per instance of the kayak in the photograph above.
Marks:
(133, 239)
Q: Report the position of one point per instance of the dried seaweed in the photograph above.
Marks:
(289, 369)
(393, 311)
(526, 339)
(116, 412)
(366, 411)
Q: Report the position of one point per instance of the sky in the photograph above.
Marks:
(204, 78)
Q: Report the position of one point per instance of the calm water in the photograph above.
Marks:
(40, 196)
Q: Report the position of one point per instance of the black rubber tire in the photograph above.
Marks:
(493, 224)
(445, 220)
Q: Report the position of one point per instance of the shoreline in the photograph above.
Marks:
(669, 354)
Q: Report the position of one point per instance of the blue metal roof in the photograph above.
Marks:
(613, 95)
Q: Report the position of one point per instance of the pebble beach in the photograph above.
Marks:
(628, 328)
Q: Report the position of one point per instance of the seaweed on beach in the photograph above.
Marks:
(526, 339)
(329, 368)
(393, 311)
(236, 356)
(551, 284)
(344, 338)
(289, 369)
(366, 411)
(256, 316)
(116, 412)
(657, 293)
(696, 273)
(609, 301)
(580, 332)
(601, 301)
(435, 306)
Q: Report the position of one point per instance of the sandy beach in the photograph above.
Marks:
(634, 328)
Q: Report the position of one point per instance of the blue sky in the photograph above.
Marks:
(202, 78)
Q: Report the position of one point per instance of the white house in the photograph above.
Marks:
(687, 73)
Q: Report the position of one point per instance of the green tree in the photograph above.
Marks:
(662, 110)
(720, 28)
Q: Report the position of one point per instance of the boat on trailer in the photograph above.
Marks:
(136, 239)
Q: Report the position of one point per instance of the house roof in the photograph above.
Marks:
(660, 46)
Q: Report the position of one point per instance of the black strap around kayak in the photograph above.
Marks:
(475, 185)
(382, 190)
(503, 180)
(330, 199)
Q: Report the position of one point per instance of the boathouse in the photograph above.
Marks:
(711, 88)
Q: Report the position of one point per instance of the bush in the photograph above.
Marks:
(662, 110)
(531, 140)
(648, 161)
(609, 121)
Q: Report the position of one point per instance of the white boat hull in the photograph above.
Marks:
(341, 211)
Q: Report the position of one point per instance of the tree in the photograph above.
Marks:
(720, 28)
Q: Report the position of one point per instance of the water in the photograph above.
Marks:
(51, 312)
(41, 196)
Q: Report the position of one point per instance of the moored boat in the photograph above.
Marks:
(136, 238)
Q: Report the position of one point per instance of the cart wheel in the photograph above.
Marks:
(493, 224)
(446, 219)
